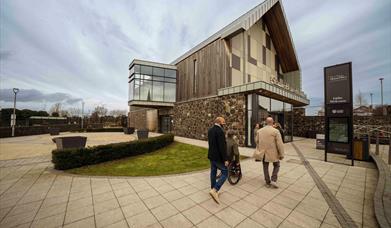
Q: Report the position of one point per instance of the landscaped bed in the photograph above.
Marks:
(174, 158)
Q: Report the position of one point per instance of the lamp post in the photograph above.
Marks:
(82, 115)
(371, 101)
(381, 92)
(13, 117)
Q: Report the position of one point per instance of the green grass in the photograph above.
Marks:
(175, 158)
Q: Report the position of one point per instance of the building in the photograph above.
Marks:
(245, 72)
(362, 111)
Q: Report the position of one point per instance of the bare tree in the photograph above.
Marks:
(100, 110)
(360, 99)
(117, 112)
(55, 109)
(64, 113)
(74, 111)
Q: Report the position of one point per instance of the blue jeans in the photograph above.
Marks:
(213, 172)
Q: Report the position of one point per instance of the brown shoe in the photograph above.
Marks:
(215, 195)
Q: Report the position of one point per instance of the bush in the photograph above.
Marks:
(73, 158)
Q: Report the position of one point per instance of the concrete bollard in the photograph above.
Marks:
(377, 143)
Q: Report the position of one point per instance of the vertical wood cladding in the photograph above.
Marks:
(212, 73)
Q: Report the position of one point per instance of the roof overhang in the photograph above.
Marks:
(279, 32)
(297, 99)
(150, 104)
(150, 63)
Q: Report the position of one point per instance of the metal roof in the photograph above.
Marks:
(243, 22)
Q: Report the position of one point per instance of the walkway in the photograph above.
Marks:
(32, 195)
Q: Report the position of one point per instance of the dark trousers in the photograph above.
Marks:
(276, 168)
(213, 172)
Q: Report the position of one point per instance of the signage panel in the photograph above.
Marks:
(339, 110)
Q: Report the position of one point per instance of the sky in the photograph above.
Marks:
(70, 51)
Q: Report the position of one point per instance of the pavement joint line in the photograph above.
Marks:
(69, 196)
(340, 213)
(20, 178)
(40, 174)
(123, 214)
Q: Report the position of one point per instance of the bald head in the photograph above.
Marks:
(220, 120)
(269, 121)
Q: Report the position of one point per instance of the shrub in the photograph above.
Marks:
(117, 129)
(73, 158)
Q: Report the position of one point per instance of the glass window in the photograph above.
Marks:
(158, 71)
(157, 91)
(146, 90)
(146, 70)
(156, 78)
(137, 68)
(170, 73)
(169, 92)
(264, 103)
(277, 106)
(170, 80)
(131, 90)
(146, 77)
(131, 71)
(287, 107)
(137, 89)
(137, 75)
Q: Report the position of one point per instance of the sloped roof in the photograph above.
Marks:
(244, 22)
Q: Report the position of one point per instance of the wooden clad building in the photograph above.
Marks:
(246, 71)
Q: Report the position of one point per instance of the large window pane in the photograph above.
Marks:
(173, 80)
(264, 103)
(131, 90)
(169, 92)
(277, 106)
(157, 91)
(170, 73)
(146, 90)
(137, 68)
(137, 89)
(156, 78)
(158, 71)
(287, 107)
(146, 70)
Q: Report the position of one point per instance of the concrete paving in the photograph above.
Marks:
(41, 145)
(32, 195)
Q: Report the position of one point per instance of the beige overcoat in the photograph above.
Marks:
(270, 145)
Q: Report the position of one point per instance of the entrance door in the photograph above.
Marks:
(165, 124)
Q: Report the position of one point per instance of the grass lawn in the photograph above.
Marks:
(175, 158)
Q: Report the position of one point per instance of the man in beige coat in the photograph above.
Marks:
(270, 149)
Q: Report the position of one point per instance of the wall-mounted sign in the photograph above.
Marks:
(339, 110)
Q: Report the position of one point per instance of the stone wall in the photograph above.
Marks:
(309, 126)
(137, 117)
(192, 119)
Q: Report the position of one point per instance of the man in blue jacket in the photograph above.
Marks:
(217, 154)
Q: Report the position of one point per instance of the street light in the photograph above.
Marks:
(13, 117)
(371, 101)
(381, 92)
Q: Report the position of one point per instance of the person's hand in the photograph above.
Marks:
(226, 163)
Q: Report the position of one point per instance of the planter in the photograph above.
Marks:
(142, 134)
(70, 142)
(128, 130)
(54, 131)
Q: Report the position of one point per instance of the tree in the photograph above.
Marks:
(117, 112)
(56, 109)
(100, 111)
(74, 112)
(360, 99)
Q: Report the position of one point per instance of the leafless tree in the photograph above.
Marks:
(117, 112)
(74, 111)
(100, 110)
(55, 109)
(360, 99)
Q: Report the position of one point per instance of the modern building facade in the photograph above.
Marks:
(245, 72)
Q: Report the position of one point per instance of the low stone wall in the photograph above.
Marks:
(192, 119)
(36, 130)
(309, 126)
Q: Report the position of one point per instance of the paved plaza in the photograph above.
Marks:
(32, 194)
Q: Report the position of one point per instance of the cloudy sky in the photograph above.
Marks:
(69, 50)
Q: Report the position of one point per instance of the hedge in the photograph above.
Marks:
(117, 129)
(73, 158)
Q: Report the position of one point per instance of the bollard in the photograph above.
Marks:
(377, 143)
